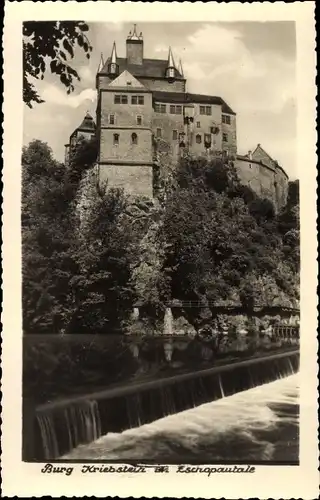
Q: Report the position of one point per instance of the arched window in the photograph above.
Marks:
(116, 139)
(198, 139)
(134, 138)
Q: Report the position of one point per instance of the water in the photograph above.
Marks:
(81, 425)
(260, 424)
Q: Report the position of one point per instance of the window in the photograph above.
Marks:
(121, 99)
(160, 108)
(198, 124)
(134, 138)
(174, 135)
(111, 119)
(137, 99)
(225, 137)
(139, 120)
(226, 119)
(159, 132)
(129, 84)
(205, 110)
(115, 139)
(207, 138)
(198, 139)
(176, 110)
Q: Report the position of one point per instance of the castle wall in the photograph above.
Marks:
(125, 114)
(231, 131)
(264, 181)
(206, 122)
(134, 179)
(281, 187)
(125, 151)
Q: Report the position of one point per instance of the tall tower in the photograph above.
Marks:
(134, 46)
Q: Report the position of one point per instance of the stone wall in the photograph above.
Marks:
(267, 182)
(135, 179)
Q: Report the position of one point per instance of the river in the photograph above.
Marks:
(260, 424)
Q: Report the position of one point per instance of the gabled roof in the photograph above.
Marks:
(152, 68)
(264, 152)
(184, 98)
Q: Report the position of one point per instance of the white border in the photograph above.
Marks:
(269, 481)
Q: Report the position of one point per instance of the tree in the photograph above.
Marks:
(51, 43)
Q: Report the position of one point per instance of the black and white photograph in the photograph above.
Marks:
(160, 244)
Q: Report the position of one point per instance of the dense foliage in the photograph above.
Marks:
(51, 44)
(226, 245)
(86, 261)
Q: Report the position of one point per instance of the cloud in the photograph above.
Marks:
(85, 74)
(55, 95)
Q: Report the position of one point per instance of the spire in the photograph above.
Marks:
(180, 68)
(170, 59)
(114, 54)
(113, 67)
(101, 63)
(171, 68)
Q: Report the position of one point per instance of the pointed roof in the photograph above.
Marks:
(87, 124)
(114, 54)
(170, 59)
(101, 63)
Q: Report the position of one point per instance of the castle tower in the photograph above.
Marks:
(86, 130)
(134, 46)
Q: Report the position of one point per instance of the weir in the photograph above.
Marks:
(55, 428)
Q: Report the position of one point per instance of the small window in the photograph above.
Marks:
(117, 99)
(202, 110)
(139, 120)
(172, 110)
(134, 99)
(198, 139)
(225, 137)
(178, 110)
(134, 138)
(129, 84)
(124, 99)
(198, 124)
(174, 135)
(111, 119)
(226, 119)
(140, 99)
(115, 139)
(207, 137)
(159, 132)
(208, 110)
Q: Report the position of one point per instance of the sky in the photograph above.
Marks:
(251, 65)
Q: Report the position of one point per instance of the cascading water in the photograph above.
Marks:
(75, 424)
(65, 425)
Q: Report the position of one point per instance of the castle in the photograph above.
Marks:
(141, 102)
